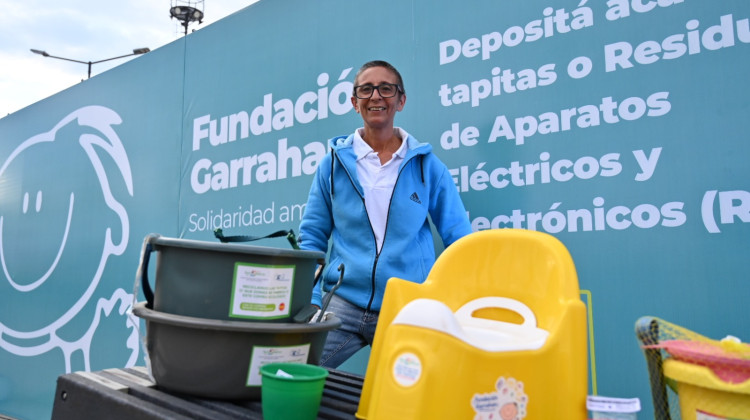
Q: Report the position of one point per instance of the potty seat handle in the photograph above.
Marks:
(465, 314)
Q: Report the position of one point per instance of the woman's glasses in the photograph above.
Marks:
(386, 90)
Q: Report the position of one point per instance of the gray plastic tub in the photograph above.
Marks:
(227, 281)
(221, 359)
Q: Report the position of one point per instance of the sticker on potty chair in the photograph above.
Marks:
(407, 369)
(508, 402)
(261, 291)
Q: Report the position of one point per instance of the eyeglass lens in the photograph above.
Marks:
(386, 90)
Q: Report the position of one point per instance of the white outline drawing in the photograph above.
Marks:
(46, 339)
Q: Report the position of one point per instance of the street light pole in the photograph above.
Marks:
(136, 51)
(187, 11)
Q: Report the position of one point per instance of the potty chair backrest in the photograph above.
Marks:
(503, 276)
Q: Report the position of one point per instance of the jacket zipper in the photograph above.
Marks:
(385, 232)
(369, 223)
(388, 216)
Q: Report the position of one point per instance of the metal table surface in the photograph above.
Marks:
(131, 394)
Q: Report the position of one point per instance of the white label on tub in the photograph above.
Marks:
(407, 369)
(613, 405)
(265, 355)
(261, 291)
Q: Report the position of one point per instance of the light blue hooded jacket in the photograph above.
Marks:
(336, 209)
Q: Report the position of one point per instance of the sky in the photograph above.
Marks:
(83, 30)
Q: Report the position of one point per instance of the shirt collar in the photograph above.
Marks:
(362, 149)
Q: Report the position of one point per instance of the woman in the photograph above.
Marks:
(372, 196)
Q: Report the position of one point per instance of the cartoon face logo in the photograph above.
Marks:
(60, 221)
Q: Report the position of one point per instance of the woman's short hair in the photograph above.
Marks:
(385, 64)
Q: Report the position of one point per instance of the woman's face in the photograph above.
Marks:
(378, 112)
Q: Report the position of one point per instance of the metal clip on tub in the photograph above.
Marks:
(308, 312)
(329, 295)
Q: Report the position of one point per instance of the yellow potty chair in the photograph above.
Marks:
(496, 332)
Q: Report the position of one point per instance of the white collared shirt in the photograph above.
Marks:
(377, 180)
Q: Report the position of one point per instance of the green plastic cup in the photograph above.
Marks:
(293, 393)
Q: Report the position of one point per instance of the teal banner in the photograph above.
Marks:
(618, 127)
(84, 176)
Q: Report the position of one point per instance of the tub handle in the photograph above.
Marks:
(289, 234)
(141, 275)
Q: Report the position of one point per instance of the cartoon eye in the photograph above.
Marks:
(38, 201)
